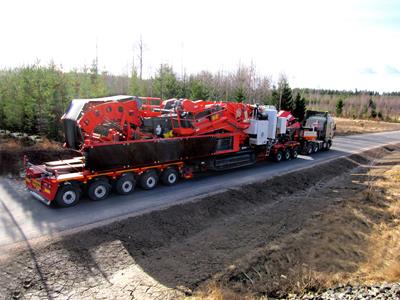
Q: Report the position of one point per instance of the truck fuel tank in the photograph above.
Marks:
(258, 132)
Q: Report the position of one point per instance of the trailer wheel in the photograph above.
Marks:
(169, 176)
(315, 148)
(278, 156)
(68, 195)
(295, 153)
(99, 190)
(125, 184)
(149, 180)
(286, 154)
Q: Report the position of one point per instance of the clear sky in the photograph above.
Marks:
(319, 44)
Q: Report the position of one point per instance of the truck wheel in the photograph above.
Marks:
(286, 154)
(68, 195)
(149, 180)
(309, 149)
(99, 190)
(278, 156)
(125, 184)
(295, 153)
(169, 176)
(328, 145)
(315, 148)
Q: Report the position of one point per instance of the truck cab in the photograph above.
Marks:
(318, 131)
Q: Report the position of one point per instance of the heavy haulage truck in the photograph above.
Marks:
(124, 141)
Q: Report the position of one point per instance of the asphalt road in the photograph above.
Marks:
(23, 218)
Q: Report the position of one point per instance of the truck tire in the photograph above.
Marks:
(278, 156)
(286, 154)
(309, 149)
(169, 177)
(149, 180)
(328, 145)
(99, 190)
(315, 148)
(68, 195)
(295, 152)
(125, 184)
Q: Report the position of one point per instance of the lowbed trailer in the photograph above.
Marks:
(126, 141)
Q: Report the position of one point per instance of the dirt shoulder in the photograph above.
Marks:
(300, 232)
(354, 126)
(353, 242)
(12, 154)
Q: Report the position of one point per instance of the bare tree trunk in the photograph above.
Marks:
(140, 58)
(162, 82)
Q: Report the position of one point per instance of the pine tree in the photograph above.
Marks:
(165, 84)
(339, 107)
(286, 98)
(240, 94)
(198, 90)
(94, 71)
(98, 87)
(299, 107)
(372, 109)
(371, 104)
(274, 98)
(134, 85)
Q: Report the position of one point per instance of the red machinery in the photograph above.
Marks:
(126, 140)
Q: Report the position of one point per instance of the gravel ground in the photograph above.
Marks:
(360, 292)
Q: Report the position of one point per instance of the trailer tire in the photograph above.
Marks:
(99, 190)
(149, 180)
(278, 156)
(68, 195)
(125, 184)
(286, 154)
(169, 176)
(295, 153)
